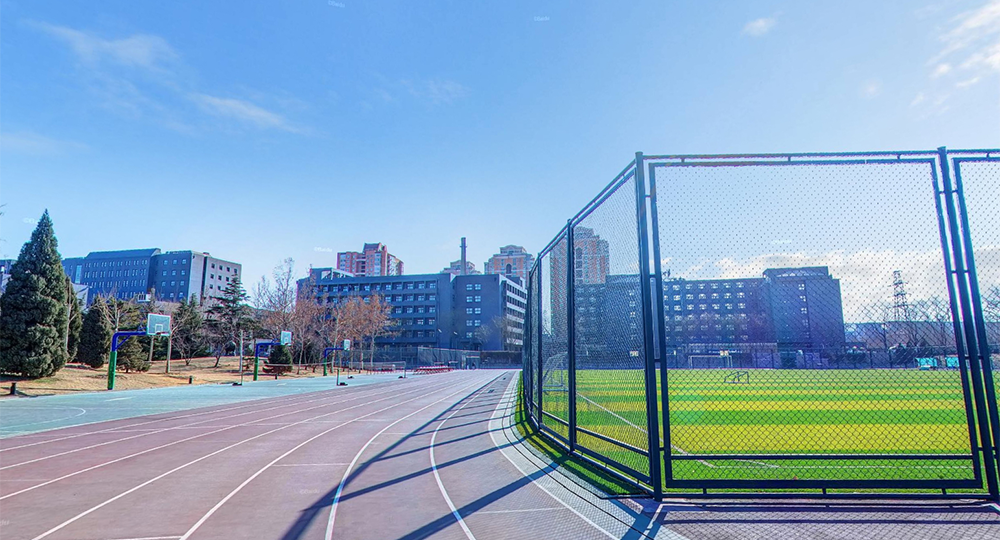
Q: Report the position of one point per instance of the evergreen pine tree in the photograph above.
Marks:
(33, 314)
(279, 358)
(95, 336)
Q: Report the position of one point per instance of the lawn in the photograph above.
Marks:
(780, 412)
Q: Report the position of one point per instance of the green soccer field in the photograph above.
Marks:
(868, 412)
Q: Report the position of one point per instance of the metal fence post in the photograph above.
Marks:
(541, 362)
(977, 314)
(571, 332)
(661, 326)
(652, 424)
(971, 341)
(963, 364)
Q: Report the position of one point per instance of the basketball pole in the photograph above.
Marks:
(170, 343)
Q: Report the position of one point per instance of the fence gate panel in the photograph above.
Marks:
(809, 339)
(977, 183)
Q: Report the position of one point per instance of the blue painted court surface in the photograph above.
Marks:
(20, 416)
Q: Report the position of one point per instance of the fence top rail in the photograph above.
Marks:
(612, 185)
(830, 155)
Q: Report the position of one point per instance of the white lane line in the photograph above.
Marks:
(347, 473)
(151, 538)
(539, 485)
(161, 430)
(202, 458)
(311, 464)
(437, 475)
(520, 511)
(123, 458)
(238, 488)
(118, 399)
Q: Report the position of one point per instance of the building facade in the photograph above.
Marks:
(5, 266)
(489, 312)
(455, 268)
(373, 260)
(512, 262)
(179, 275)
(146, 273)
(433, 310)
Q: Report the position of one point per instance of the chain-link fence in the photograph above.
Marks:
(788, 322)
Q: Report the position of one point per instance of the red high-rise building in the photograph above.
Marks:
(373, 260)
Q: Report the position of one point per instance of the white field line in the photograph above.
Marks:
(123, 458)
(161, 430)
(81, 413)
(350, 468)
(225, 499)
(192, 462)
(623, 419)
(251, 403)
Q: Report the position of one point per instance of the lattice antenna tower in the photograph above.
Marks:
(900, 308)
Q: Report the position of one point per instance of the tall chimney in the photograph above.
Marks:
(463, 257)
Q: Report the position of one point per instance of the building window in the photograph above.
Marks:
(478, 311)
(468, 311)
(431, 309)
(479, 298)
(468, 299)
(431, 297)
(804, 310)
(468, 334)
(741, 305)
(479, 286)
(468, 322)
(477, 322)
(420, 285)
(468, 286)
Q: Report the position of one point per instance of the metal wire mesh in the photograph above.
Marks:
(555, 339)
(981, 184)
(610, 354)
(806, 313)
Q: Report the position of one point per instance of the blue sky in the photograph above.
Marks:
(260, 130)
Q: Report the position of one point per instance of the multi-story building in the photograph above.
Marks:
(421, 305)
(5, 266)
(788, 309)
(144, 273)
(455, 268)
(489, 312)
(373, 260)
(512, 262)
(179, 275)
(434, 310)
(123, 273)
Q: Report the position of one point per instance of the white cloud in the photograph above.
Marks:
(974, 38)
(29, 143)
(871, 89)
(140, 50)
(243, 111)
(29, 221)
(445, 91)
(918, 99)
(759, 27)
(941, 69)
(967, 83)
(323, 249)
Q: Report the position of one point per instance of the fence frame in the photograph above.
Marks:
(968, 324)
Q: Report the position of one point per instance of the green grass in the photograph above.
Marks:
(894, 412)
